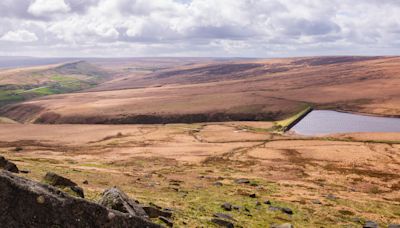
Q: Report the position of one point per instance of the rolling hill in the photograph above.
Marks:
(228, 90)
(26, 83)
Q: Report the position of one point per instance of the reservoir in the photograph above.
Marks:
(319, 122)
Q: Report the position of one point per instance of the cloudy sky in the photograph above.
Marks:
(223, 28)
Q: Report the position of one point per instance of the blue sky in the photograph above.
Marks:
(216, 28)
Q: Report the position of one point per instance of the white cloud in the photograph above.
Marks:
(261, 28)
(48, 7)
(22, 36)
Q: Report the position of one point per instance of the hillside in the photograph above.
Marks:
(230, 90)
(26, 83)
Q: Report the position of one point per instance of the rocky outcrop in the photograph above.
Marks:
(25, 203)
(63, 183)
(114, 198)
(7, 165)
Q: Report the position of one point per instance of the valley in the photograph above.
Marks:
(196, 135)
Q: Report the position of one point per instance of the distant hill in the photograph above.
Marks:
(26, 83)
(230, 90)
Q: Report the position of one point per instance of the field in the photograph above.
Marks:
(333, 181)
(182, 133)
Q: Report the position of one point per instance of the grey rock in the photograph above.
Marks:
(331, 197)
(167, 221)
(7, 165)
(272, 208)
(57, 180)
(222, 223)
(315, 201)
(282, 209)
(287, 210)
(242, 181)
(227, 206)
(115, 199)
(219, 184)
(78, 190)
(370, 224)
(224, 216)
(63, 183)
(25, 203)
(394, 226)
(154, 212)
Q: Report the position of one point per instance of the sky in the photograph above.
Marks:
(199, 28)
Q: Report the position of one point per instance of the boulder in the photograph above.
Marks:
(222, 223)
(154, 212)
(227, 206)
(167, 221)
(370, 224)
(63, 183)
(114, 198)
(25, 203)
(57, 180)
(224, 216)
(7, 165)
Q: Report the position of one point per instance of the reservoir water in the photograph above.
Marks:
(320, 122)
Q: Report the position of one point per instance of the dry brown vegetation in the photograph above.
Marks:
(236, 90)
(176, 165)
(337, 180)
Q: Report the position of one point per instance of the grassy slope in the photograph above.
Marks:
(66, 78)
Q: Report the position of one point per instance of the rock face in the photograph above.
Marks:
(7, 165)
(63, 183)
(25, 203)
(114, 198)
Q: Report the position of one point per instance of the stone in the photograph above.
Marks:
(227, 206)
(78, 190)
(315, 201)
(287, 210)
(85, 182)
(331, 197)
(222, 223)
(282, 209)
(26, 203)
(394, 226)
(154, 212)
(285, 225)
(242, 181)
(57, 180)
(219, 184)
(224, 216)
(63, 183)
(252, 195)
(267, 202)
(167, 221)
(370, 224)
(7, 165)
(238, 208)
(272, 208)
(115, 199)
